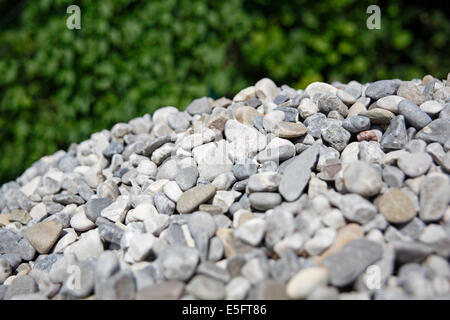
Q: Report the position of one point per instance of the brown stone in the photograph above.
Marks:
(246, 115)
(221, 103)
(43, 236)
(21, 216)
(396, 206)
(378, 116)
(290, 129)
(226, 237)
(4, 219)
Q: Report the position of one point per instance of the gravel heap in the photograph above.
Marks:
(337, 191)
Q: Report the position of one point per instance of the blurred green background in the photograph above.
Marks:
(58, 86)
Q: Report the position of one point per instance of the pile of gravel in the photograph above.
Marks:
(333, 192)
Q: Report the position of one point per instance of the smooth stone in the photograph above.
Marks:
(285, 129)
(351, 261)
(266, 88)
(434, 196)
(276, 154)
(382, 88)
(361, 178)
(66, 199)
(389, 103)
(431, 107)
(413, 114)
(43, 236)
(178, 262)
(316, 89)
(264, 200)
(297, 174)
(321, 240)
(237, 288)
(304, 282)
(178, 121)
(172, 191)
(436, 131)
(244, 169)
(414, 164)
(246, 115)
(307, 108)
(396, 206)
(378, 116)
(395, 136)
(80, 222)
(356, 124)
(192, 198)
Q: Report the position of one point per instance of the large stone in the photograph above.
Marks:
(396, 206)
(434, 196)
(44, 235)
(351, 261)
(382, 88)
(297, 174)
(192, 198)
(414, 164)
(413, 114)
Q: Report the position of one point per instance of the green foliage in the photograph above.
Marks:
(130, 57)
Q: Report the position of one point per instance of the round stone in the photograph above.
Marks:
(192, 198)
(264, 200)
(361, 178)
(246, 115)
(396, 206)
(414, 164)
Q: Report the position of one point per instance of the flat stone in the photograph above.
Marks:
(66, 199)
(434, 196)
(390, 103)
(378, 115)
(192, 198)
(20, 216)
(290, 129)
(264, 200)
(431, 107)
(351, 261)
(43, 236)
(361, 178)
(297, 174)
(396, 206)
(414, 164)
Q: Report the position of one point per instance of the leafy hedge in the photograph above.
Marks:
(58, 86)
